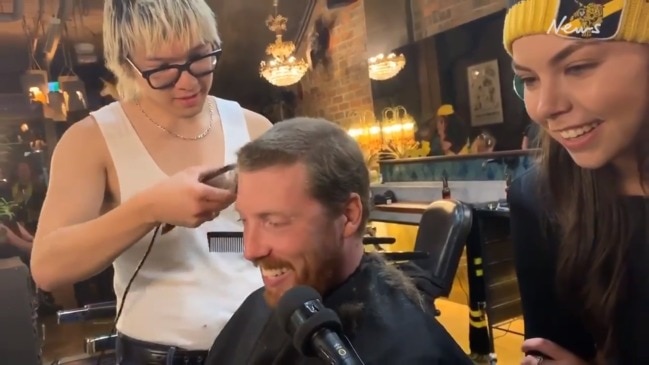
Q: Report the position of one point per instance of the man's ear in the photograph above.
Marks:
(353, 213)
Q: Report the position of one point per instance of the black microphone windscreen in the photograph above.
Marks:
(300, 314)
(292, 300)
(325, 319)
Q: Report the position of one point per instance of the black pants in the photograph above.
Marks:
(130, 351)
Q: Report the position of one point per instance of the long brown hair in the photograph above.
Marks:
(595, 232)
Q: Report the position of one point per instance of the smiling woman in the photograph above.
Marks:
(579, 220)
(574, 89)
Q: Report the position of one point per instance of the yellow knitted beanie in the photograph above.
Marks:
(444, 110)
(626, 20)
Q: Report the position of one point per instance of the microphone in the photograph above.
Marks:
(314, 328)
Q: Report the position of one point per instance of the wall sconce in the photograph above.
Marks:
(398, 128)
(367, 132)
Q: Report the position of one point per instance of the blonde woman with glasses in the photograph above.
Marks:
(136, 164)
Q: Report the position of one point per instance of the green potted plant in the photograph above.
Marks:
(7, 210)
(7, 216)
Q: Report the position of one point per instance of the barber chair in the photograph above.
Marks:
(89, 312)
(20, 337)
(441, 237)
(443, 231)
(94, 347)
(85, 359)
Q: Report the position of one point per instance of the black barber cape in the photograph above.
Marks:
(378, 308)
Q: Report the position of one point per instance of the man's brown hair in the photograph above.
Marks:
(335, 164)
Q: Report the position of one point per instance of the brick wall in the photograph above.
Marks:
(435, 16)
(344, 88)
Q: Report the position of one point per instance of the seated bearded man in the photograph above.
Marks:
(303, 198)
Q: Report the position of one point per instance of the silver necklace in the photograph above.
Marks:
(195, 138)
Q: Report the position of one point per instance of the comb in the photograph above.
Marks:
(210, 178)
(225, 242)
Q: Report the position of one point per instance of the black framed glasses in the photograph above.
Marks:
(167, 76)
(519, 87)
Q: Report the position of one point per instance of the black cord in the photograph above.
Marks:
(128, 287)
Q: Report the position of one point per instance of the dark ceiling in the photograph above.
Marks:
(241, 24)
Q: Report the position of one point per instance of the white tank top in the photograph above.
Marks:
(183, 295)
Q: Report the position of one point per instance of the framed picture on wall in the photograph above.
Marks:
(485, 100)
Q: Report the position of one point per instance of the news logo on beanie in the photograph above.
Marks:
(625, 20)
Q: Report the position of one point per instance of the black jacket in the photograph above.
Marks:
(546, 315)
(379, 311)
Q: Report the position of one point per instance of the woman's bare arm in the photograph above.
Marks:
(24, 233)
(73, 241)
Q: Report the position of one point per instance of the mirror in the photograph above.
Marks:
(465, 68)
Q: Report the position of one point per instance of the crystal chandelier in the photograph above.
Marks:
(283, 69)
(383, 67)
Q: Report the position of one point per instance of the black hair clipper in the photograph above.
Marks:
(218, 178)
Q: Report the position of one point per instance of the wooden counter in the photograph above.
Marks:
(416, 208)
(419, 208)
(499, 155)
